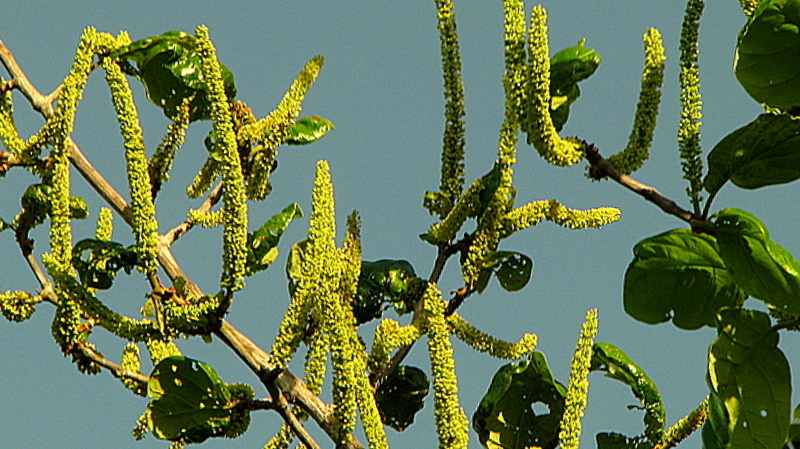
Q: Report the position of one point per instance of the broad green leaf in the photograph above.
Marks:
(169, 67)
(262, 245)
(401, 396)
(617, 365)
(308, 129)
(761, 267)
(383, 281)
(190, 402)
(505, 418)
(750, 382)
(762, 153)
(768, 54)
(104, 260)
(567, 68)
(678, 275)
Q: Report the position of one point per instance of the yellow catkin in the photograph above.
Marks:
(143, 212)
(234, 235)
(389, 335)
(578, 389)
(453, 141)
(542, 133)
(484, 342)
(160, 350)
(274, 128)
(105, 224)
(451, 422)
(532, 213)
(644, 123)
(691, 104)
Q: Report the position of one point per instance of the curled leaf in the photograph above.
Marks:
(617, 365)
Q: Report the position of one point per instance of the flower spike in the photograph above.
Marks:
(542, 133)
(644, 122)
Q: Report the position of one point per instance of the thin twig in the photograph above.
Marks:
(178, 231)
(282, 407)
(41, 103)
(602, 168)
(113, 368)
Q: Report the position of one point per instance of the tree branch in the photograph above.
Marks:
(602, 168)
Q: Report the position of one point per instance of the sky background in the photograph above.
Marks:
(381, 87)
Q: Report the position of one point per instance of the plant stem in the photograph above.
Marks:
(601, 168)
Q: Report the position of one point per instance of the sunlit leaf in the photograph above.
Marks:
(505, 418)
(567, 68)
(762, 153)
(750, 383)
(679, 275)
(169, 67)
(401, 396)
(768, 54)
(262, 245)
(617, 365)
(190, 402)
(308, 129)
(761, 267)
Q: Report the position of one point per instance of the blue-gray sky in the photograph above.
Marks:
(381, 87)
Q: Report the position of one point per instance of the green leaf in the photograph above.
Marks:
(512, 269)
(618, 441)
(505, 418)
(768, 54)
(401, 396)
(678, 275)
(762, 153)
(761, 267)
(715, 430)
(169, 67)
(105, 259)
(567, 68)
(308, 129)
(262, 245)
(190, 402)
(383, 281)
(617, 365)
(750, 382)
